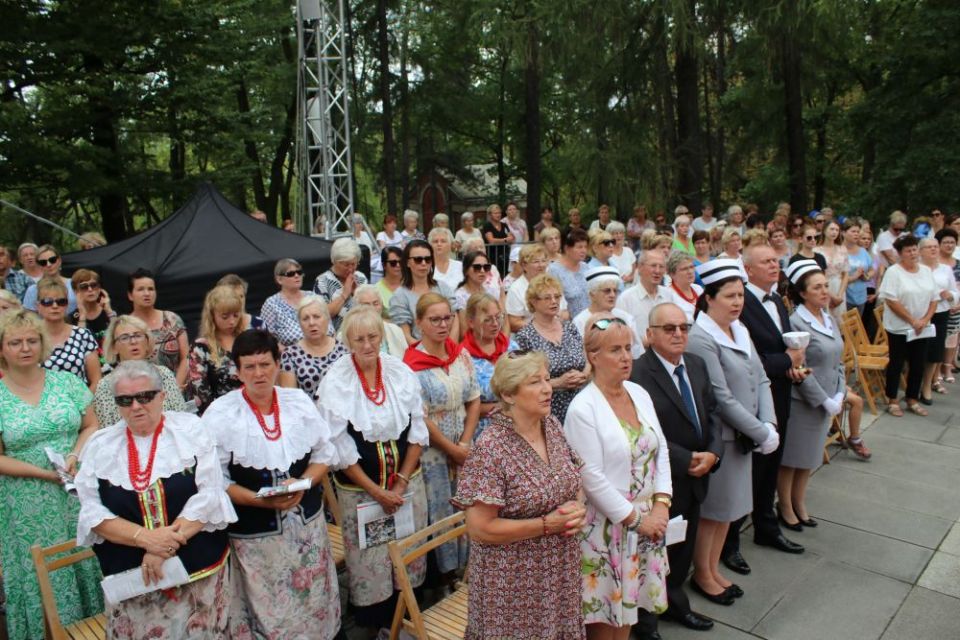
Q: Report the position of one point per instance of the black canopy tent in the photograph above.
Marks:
(193, 248)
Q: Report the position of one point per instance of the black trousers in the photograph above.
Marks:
(914, 354)
(680, 556)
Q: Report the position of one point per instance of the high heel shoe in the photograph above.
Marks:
(809, 522)
(796, 526)
(723, 597)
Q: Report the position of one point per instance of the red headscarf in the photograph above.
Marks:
(419, 360)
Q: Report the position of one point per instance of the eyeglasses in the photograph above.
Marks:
(392, 263)
(49, 302)
(144, 397)
(124, 338)
(672, 328)
(537, 261)
(608, 243)
(497, 319)
(292, 273)
(422, 259)
(437, 321)
(551, 297)
(45, 261)
(608, 290)
(809, 237)
(482, 267)
(88, 286)
(604, 323)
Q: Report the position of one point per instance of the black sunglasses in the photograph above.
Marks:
(519, 353)
(608, 243)
(393, 263)
(49, 302)
(422, 259)
(86, 286)
(482, 267)
(672, 328)
(292, 273)
(45, 261)
(144, 397)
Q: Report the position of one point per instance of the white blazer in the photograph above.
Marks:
(594, 432)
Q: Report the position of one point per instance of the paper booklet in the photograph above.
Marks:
(676, 530)
(60, 466)
(928, 331)
(129, 584)
(268, 492)
(376, 527)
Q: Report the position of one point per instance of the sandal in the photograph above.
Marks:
(939, 388)
(916, 409)
(894, 409)
(949, 379)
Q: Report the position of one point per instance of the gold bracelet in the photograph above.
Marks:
(139, 531)
(402, 477)
(664, 499)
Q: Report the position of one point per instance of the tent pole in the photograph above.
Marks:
(39, 219)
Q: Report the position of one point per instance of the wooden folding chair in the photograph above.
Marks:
(334, 531)
(862, 344)
(868, 371)
(881, 335)
(835, 435)
(92, 628)
(446, 620)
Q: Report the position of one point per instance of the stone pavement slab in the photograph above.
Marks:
(943, 575)
(907, 493)
(925, 615)
(912, 427)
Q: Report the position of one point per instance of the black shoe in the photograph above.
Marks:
(691, 620)
(796, 526)
(721, 598)
(734, 591)
(735, 562)
(926, 401)
(649, 635)
(780, 543)
(809, 522)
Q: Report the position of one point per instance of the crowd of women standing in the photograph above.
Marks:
(434, 388)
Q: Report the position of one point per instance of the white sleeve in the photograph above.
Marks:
(210, 504)
(516, 306)
(92, 511)
(583, 438)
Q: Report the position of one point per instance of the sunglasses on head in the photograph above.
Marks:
(144, 397)
(393, 263)
(49, 302)
(519, 353)
(47, 261)
(87, 286)
(421, 259)
(604, 323)
(482, 267)
(292, 273)
(672, 328)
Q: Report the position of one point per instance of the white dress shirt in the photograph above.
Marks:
(769, 306)
(672, 371)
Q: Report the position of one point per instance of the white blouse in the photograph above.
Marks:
(181, 444)
(341, 400)
(240, 438)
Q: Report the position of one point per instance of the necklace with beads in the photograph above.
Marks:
(377, 395)
(141, 479)
(271, 433)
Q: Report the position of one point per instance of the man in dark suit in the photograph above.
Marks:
(765, 316)
(683, 398)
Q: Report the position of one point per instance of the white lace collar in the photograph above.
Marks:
(825, 327)
(741, 337)
(341, 395)
(235, 430)
(180, 443)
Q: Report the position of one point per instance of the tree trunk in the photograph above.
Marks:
(386, 116)
(689, 157)
(793, 110)
(501, 139)
(405, 192)
(253, 154)
(667, 128)
(719, 160)
(531, 77)
(113, 202)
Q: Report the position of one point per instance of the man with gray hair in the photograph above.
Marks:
(641, 298)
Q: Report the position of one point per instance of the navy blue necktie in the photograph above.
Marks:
(687, 398)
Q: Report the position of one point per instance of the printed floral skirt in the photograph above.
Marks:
(285, 585)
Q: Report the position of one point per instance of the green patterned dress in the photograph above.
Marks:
(36, 511)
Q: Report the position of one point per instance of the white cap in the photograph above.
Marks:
(800, 268)
(718, 269)
(597, 275)
(515, 253)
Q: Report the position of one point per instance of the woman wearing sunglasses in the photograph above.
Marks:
(476, 279)
(170, 346)
(279, 311)
(48, 260)
(601, 249)
(417, 266)
(391, 258)
(151, 489)
(75, 350)
(266, 436)
(613, 426)
(93, 304)
(451, 400)
(808, 247)
(39, 409)
(128, 338)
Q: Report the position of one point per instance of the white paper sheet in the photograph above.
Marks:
(928, 331)
(60, 466)
(129, 584)
(268, 492)
(376, 527)
(676, 530)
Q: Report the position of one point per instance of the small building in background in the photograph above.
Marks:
(443, 191)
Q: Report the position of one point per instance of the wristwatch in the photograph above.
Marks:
(664, 499)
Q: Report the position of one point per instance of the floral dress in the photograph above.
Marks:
(445, 394)
(70, 356)
(166, 341)
(621, 573)
(560, 358)
(838, 263)
(206, 380)
(529, 588)
(35, 511)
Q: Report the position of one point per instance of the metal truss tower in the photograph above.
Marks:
(326, 165)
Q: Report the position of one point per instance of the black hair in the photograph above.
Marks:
(794, 290)
(712, 290)
(946, 232)
(904, 241)
(468, 261)
(139, 274)
(386, 252)
(405, 268)
(253, 342)
(573, 236)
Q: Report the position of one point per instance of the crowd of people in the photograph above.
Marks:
(574, 390)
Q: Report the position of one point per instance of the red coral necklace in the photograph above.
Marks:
(377, 395)
(270, 433)
(141, 479)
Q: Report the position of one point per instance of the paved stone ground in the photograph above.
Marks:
(884, 562)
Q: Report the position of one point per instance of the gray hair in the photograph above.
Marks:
(655, 312)
(312, 299)
(365, 289)
(928, 241)
(683, 218)
(616, 227)
(441, 218)
(135, 370)
(283, 265)
(677, 258)
(474, 244)
(681, 210)
(466, 215)
(732, 209)
(895, 218)
(27, 245)
(440, 231)
(410, 214)
(344, 250)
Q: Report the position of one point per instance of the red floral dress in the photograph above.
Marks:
(531, 588)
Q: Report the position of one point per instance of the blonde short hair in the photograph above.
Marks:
(311, 299)
(755, 237)
(549, 232)
(24, 319)
(511, 370)
(362, 318)
(728, 234)
(427, 300)
(530, 251)
(51, 283)
(594, 337)
(543, 282)
(10, 298)
(109, 340)
(597, 238)
(224, 299)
